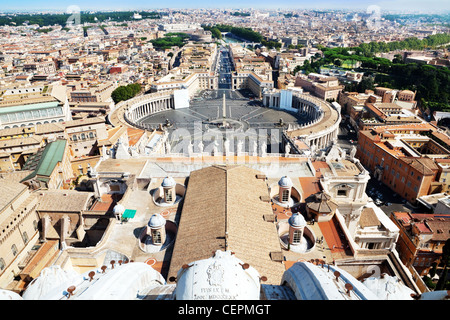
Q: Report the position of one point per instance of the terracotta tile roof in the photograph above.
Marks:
(368, 218)
(310, 186)
(134, 135)
(321, 203)
(224, 201)
(64, 201)
(10, 190)
(425, 166)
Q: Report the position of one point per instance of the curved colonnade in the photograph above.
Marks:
(129, 112)
(323, 129)
(319, 132)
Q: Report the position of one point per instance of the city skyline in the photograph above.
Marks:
(433, 6)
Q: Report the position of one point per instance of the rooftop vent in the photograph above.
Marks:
(276, 256)
(269, 217)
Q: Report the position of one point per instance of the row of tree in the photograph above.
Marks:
(412, 43)
(243, 33)
(123, 93)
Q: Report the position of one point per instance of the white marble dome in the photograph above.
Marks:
(388, 288)
(9, 295)
(285, 182)
(118, 209)
(297, 220)
(49, 279)
(220, 277)
(168, 182)
(156, 221)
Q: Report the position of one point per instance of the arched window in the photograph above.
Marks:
(14, 249)
(2, 264)
(285, 196)
(25, 237)
(297, 236)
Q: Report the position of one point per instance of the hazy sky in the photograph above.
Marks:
(409, 5)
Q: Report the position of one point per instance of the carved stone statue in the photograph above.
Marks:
(287, 148)
(190, 149)
(200, 146)
(263, 149)
(353, 152)
(254, 148)
(226, 146)
(215, 148)
(239, 147)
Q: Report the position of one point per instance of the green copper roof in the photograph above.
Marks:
(28, 107)
(52, 154)
(128, 214)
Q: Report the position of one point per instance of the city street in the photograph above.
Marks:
(224, 68)
(347, 137)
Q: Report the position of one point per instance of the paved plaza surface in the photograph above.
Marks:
(245, 119)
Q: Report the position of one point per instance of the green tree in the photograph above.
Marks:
(123, 93)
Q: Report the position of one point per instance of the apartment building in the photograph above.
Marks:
(324, 87)
(421, 238)
(406, 162)
(19, 228)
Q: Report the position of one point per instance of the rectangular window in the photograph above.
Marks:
(285, 196)
(13, 117)
(296, 236)
(342, 192)
(4, 118)
(157, 237)
(168, 195)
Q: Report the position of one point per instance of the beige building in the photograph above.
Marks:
(83, 135)
(18, 229)
(324, 87)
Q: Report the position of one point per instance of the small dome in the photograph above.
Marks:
(168, 182)
(156, 221)
(297, 220)
(118, 209)
(285, 182)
